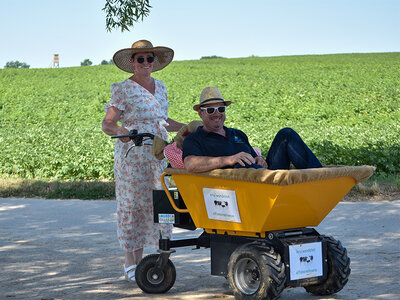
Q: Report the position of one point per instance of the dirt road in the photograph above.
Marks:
(56, 249)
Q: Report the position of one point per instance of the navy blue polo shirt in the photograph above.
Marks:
(204, 143)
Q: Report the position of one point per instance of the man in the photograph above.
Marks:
(214, 146)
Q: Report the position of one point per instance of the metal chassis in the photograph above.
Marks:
(223, 245)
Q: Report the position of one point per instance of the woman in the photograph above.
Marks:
(139, 102)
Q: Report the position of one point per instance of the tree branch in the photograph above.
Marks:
(122, 14)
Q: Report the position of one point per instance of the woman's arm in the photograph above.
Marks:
(109, 124)
(173, 125)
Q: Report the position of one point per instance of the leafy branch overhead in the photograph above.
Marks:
(122, 14)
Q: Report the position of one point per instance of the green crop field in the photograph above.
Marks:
(346, 107)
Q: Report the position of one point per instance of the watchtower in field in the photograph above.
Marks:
(56, 61)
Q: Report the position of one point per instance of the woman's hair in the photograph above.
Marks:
(133, 55)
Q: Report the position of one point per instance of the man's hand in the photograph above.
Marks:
(261, 161)
(241, 158)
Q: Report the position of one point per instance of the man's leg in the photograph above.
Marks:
(287, 147)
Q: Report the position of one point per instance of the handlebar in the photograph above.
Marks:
(136, 137)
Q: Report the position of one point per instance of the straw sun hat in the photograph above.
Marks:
(210, 95)
(163, 56)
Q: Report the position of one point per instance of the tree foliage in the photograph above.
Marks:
(107, 62)
(211, 57)
(86, 62)
(16, 64)
(123, 13)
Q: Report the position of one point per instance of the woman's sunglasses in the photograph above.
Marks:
(210, 110)
(149, 59)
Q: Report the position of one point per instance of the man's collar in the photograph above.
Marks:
(203, 132)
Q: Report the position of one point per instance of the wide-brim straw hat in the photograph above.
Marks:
(163, 56)
(210, 95)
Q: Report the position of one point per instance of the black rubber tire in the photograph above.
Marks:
(256, 272)
(145, 276)
(338, 270)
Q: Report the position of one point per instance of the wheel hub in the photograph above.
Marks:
(155, 277)
(247, 276)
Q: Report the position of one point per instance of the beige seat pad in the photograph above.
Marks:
(285, 177)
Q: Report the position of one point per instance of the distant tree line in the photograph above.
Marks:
(16, 64)
(105, 62)
(21, 65)
(88, 62)
(211, 57)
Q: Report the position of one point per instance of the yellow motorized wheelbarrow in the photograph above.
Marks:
(259, 225)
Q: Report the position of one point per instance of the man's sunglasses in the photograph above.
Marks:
(149, 59)
(210, 110)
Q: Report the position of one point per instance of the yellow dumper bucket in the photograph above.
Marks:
(249, 202)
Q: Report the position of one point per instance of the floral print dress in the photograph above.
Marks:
(139, 173)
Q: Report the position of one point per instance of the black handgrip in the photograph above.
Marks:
(135, 136)
(131, 135)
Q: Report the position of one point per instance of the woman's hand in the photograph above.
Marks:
(173, 126)
(123, 131)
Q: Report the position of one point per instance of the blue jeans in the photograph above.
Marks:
(287, 147)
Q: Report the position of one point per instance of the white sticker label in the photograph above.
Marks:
(305, 260)
(166, 218)
(221, 205)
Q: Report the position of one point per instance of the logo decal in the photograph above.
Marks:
(237, 139)
(221, 205)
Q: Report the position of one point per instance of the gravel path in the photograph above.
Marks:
(67, 249)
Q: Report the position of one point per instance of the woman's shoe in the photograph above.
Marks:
(130, 273)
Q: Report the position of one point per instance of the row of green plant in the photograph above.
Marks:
(346, 107)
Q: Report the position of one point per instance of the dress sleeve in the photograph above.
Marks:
(118, 98)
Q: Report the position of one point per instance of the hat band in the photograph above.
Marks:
(211, 99)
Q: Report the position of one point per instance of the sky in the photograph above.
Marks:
(33, 31)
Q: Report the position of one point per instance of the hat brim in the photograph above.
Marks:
(197, 106)
(163, 57)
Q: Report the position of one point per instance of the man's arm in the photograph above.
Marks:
(197, 164)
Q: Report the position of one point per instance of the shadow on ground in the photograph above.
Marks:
(51, 249)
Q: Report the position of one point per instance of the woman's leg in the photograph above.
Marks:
(287, 147)
(133, 258)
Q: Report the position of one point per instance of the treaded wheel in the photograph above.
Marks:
(151, 282)
(256, 272)
(338, 269)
